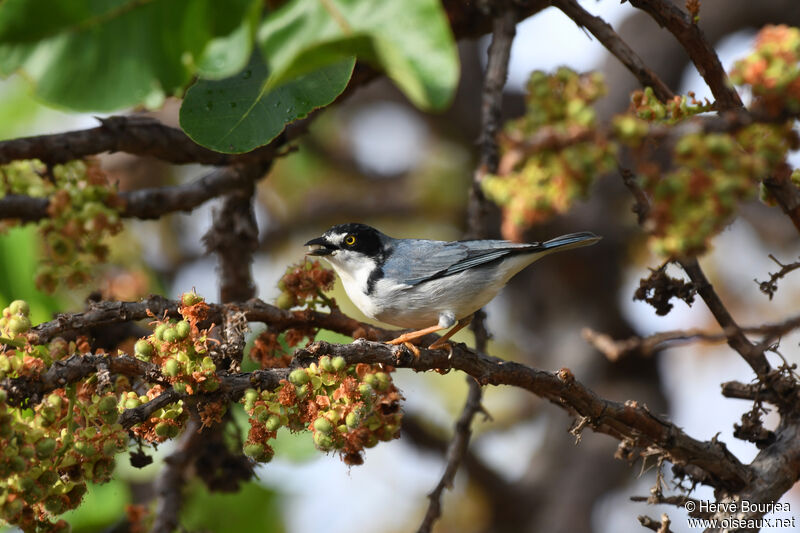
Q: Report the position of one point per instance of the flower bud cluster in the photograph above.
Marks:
(347, 409)
(83, 210)
(714, 173)
(535, 185)
(303, 284)
(180, 349)
(773, 70)
(48, 456)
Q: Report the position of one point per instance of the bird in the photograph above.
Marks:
(426, 285)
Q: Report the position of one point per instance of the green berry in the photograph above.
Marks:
(19, 324)
(250, 395)
(323, 425)
(19, 307)
(45, 448)
(170, 335)
(383, 381)
(299, 376)
(131, 403)
(339, 363)
(107, 404)
(143, 349)
(371, 380)
(352, 420)
(171, 367)
(253, 449)
(208, 364)
(163, 429)
(55, 401)
(285, 301)
(190, 298)
(323, 441)
(159, 331)
(273, 423)
(182, 329)
(84, 448)
(365, 390)
(325, 363)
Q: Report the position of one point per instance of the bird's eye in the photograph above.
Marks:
(350, 240)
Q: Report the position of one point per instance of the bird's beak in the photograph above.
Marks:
(319, 247)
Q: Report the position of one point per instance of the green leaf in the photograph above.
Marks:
(109, 54)
(228, 54)
(238, 114)
(410, 40)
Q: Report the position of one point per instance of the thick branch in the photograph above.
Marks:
(614, 44)
(150, 203)
(138, 135)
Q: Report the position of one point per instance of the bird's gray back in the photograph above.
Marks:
(413, 261)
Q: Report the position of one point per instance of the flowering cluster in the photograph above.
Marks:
(346, 408)
(180, 349)
(49, 452)
(83, 209)
(302, 285)
(714, 173)
(773, 70)
(646, 106)
(535, 185)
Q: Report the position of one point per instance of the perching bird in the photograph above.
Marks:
(427, 285)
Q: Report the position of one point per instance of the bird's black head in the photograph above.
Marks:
(351, 237)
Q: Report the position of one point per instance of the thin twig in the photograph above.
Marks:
(770, 286)
(645, 346)
(455, 454)
(614, 44)
(700, 51)
(655, 525)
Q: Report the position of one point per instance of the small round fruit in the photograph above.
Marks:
(299, 376)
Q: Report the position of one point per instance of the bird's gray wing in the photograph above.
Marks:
(417, 261)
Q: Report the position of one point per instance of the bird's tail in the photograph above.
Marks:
(573, 240)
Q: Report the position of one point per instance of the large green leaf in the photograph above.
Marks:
(108, 54)
(239, 113)
(411, 40)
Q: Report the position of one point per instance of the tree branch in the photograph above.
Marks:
(455, 454)
(702, 54)
(134, 134)
(614, 44)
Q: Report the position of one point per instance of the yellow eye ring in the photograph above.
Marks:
(349, 240)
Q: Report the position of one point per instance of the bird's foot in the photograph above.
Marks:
(412, 348)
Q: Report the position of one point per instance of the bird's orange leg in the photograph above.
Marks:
(413, 335)
(442, 341)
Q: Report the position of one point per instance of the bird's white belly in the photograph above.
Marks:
(420, 306)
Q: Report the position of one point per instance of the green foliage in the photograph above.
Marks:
(83, 210)
(102, 56)
(253, 508)
(410, 40)
(238, 114)
(545, 182)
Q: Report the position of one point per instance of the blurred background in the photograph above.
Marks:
(377, 160)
